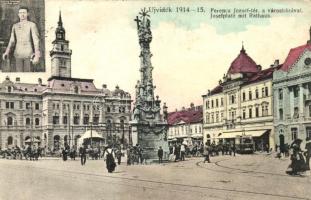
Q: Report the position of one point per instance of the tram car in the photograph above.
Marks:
(244, 144)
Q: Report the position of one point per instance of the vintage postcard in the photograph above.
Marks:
(155, 99)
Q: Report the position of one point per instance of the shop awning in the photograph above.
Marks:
(197, 136)
(255, 133)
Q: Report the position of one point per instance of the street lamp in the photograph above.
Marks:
(31, 126)
(91, 134)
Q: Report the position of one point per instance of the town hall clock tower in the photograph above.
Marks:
(60, 54)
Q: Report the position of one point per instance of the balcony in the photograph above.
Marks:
(230, 124)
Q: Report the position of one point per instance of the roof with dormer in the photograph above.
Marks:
(243, 64)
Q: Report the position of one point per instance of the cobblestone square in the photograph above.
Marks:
(241, 177)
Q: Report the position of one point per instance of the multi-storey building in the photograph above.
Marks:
(241, 104)
(186, 125)
(62, 110)
(292, 96)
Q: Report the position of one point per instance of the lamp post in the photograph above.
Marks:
(91, 134)
(31, 127)
(68, 122)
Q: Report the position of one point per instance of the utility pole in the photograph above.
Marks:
(91, 135)
(68, 124)
(31, 127)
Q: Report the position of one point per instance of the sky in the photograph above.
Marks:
(191, 51)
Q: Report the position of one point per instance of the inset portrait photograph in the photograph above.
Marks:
(22, 36)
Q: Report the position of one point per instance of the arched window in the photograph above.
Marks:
(10, 121)
(9, 89)
(10, 140)
(27, 121)
(108, 109)
(37, 121)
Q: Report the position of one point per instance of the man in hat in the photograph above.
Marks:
(82, 152)
(24, 42)
(160, 154)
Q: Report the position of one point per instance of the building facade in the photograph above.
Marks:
(186, 126)
(59, 112)
(292, 96)
(241, 104)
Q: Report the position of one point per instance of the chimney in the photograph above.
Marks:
(18, 79)
(276, 63)
(117, 87)
(259, 67)
(183, 109)
(104, 86)
(191, 105)
(39, 81)
(220, 82)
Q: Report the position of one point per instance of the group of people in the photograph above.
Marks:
(223, 148)
(300, 160)
(28, 152)
(177, 152)
(135, 154)
(109, 154)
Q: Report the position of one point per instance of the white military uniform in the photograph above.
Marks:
(25, 38)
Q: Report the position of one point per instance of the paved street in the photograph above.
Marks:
(242, 177)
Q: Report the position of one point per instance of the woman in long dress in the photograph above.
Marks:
(109, 157)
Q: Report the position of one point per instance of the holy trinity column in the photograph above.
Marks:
(149, 126)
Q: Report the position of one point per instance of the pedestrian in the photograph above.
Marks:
(64, 154)
(177, 152)
(109, 158)
(234, 148)
(74, 153)
(82, 152)
(171, 150)
(206, 153)
(119, 155)
(160, 154)
(129, 155)
(308, 153)
(182, 152)
(140, 154)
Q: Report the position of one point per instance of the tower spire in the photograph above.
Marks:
(242, 50)
(60, 22)
(60, 54)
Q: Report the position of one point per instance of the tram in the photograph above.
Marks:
(244, 144)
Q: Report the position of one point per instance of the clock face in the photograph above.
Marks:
(308, 61)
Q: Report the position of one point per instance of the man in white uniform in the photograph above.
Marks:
(24, 41)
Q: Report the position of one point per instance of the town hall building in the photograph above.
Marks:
(60, 111)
